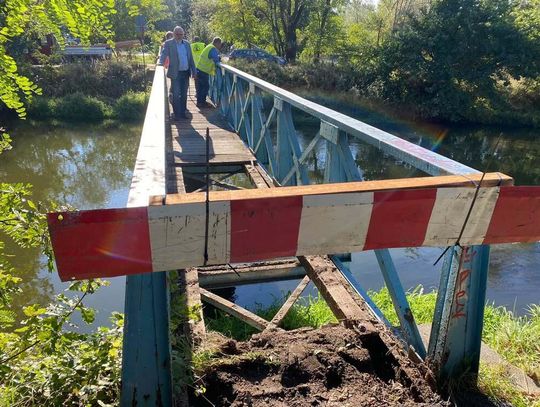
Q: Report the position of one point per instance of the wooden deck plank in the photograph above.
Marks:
(188, 139)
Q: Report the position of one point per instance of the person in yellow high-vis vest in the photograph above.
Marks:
(206, 66)
(197, 48)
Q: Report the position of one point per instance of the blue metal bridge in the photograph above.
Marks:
(271, 154)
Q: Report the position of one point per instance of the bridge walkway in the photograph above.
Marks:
(189, 140)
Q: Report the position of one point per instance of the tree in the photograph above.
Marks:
(202, 12)
(285, 18)
(41, 17)
(325, 28)
(449, 59)
(527, 14)
(236, 23)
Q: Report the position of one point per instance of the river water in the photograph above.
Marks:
(90, 167)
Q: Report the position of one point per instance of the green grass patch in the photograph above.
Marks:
(493, 382)
(422, 304)
(308, 311)
(515, 338)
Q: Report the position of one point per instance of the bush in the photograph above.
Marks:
(42, 108)
(79, 107)
(107, 79)
(306, 75)
(130, 106)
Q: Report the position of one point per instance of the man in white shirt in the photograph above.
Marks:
(181, 67)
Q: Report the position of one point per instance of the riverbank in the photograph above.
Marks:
(515, 338)
(86, 92)
(514, 105)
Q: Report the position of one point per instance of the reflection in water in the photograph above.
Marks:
(84, 167)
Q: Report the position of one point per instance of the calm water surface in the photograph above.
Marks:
(85, 167)
(90, 167)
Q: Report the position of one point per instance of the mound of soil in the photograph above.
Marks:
(330, 366)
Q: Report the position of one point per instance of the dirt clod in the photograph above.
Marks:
(330, 366)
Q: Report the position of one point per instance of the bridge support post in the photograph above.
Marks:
(146, 363)
(456, 333)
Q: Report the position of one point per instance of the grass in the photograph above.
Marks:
(493, 383)
(515, 338)
(308, 311)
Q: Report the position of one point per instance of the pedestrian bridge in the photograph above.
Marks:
(234, 184)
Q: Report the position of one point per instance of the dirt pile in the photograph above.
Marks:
(331, 366)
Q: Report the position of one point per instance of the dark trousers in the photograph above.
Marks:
(179, 87)
(203, 85)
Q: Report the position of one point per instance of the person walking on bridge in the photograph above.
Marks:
(181, 67)
(197, 48)
(206, 66)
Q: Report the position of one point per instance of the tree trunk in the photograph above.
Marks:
(292, 45)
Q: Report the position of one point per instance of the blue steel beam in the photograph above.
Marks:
(284, 154)
(146, 365)
(456, 335)
(401, 305)
(417, 156)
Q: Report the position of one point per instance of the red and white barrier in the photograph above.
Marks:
(111, 242)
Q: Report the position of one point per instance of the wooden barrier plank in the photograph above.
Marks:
(265, 228)
(447, 181)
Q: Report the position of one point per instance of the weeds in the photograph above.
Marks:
(493, 382)
(130, 106)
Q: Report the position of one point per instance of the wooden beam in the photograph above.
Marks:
(256, 177)
(249, 273)
(233, 309)
(446, 181)
(346, 305)
(188, 283)
(276, 321)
